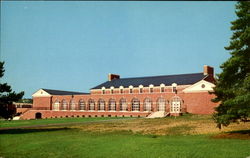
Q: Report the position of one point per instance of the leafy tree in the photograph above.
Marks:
(7, 97)
(233, 85)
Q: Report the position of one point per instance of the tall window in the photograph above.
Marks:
(72, 105)
(82, 105)
(112, 105)
(112, 91)
(140, 90)
(64, 105)
(103, 91)
(91, 104)
(135, 105)
(147, 105)
(161, 104)
(56, 105)
(123, 105)
(101, 105)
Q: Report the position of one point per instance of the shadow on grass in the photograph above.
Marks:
(240, 134)
(31, 130)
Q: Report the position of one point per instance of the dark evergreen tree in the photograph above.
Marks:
(233, 85)
(7, 97)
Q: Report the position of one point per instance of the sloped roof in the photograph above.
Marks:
(181, 79)
(59, 92)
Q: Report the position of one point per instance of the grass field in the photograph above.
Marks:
(180, 137)
(19, 123)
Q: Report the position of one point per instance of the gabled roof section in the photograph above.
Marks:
(181, 79)
(59, 92)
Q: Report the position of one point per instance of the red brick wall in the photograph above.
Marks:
(199, 103)
(42, 102)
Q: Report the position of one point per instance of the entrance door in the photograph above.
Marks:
(176, 107)
(38, 115)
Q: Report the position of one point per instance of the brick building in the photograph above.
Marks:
(154, 96)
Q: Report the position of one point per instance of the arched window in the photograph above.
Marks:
(140, 88)
(103, 90)
(147, 104)
(111, 90)
(101, 105)
(123, 105)
(135, 104)
(176, 105)
(72, 105)
(174, 89)
(161, 104)
(151, 88)
(130, 89)
(56, 105)
(82, 105)
(162, 87)
(112, 105)
(64, 105)
(91, 104)
(121, 89)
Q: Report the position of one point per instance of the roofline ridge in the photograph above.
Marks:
(163, 75)
(61, 90)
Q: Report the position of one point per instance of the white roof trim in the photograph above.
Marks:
(41, 93)
(197, 87)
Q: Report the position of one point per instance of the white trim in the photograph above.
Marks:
(197, 87)
(41, 93)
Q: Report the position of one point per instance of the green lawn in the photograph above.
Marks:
(19, 123)
(73, 142)
(189, 136)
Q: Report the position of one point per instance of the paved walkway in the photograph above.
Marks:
(62, 124)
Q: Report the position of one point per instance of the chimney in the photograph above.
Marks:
(113, 76)
(208, 70)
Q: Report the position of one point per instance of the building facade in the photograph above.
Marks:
(130, 97)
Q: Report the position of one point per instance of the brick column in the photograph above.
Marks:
(87, 106)
(96, 106)
(154, 105)
(107, 106)
(129, 106)
(141, 106)
(117, 106)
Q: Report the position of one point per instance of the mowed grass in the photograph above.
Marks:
(20, 123)
(180, 137)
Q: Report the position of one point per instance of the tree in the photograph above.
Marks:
(233, 85)
(7, 97)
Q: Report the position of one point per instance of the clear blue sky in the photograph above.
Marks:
(74, 45)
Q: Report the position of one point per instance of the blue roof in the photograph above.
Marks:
(59, 92)
(182, 79)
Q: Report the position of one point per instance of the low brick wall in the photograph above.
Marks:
(22, 110)
(31, 114)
